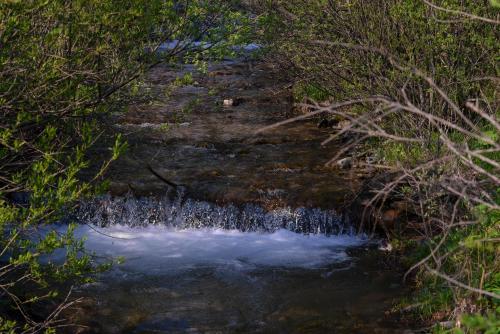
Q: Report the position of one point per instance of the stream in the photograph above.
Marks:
(227, 231)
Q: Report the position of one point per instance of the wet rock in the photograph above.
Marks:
(233, 102)
(390, 215)
(118, 188)
(385, 246)
(345, 163)
(370, 160)
(389, 218)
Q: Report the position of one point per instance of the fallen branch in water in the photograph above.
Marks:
(158, 175)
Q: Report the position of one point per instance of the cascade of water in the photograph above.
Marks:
(183, 213)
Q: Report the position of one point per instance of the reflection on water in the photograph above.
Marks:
(216, 281)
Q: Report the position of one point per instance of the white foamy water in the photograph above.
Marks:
(162, 249)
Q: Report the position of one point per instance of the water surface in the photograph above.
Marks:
(228, 281)
(233, 232)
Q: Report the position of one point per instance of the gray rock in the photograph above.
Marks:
(345, 163)
(233, 102)
(228, 102)
(385, 246)
(371, 160)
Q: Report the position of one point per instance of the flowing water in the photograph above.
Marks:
(213, 281)
(185, 213)
(195, 267)
(226, 231)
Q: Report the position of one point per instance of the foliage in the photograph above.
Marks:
(475, 323)
(63, 65)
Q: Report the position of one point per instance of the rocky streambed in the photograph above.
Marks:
(225, 230)
(202, 135)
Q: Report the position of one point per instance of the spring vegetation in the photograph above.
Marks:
(64, 64)
(417, 81)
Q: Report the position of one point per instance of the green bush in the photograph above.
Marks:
(63, 65)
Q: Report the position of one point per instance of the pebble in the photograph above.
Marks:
(345, 163)
(385, 246)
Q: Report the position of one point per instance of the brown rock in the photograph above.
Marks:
(390, 215)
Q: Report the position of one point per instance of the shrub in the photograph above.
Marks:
(420, 81)
(63, 65)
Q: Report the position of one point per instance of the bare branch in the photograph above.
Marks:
(460, 13)
(462, 285)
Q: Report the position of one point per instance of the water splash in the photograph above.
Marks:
(162, 250)
(181, 213)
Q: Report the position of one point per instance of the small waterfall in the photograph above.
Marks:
(181, 213)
